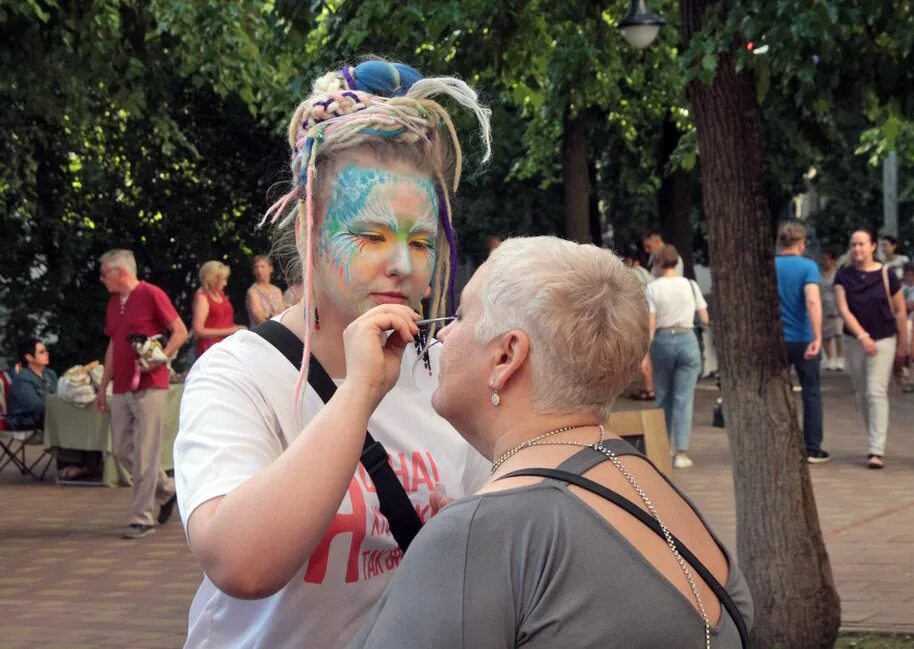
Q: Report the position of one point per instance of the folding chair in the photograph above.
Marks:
(12, 446)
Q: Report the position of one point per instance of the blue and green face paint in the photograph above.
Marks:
(378, 236)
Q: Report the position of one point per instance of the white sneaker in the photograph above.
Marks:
(839, 364)
(830, 364)
(682, 461)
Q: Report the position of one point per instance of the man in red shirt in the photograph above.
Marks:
(138, 403)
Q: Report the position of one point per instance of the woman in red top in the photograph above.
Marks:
(214, 317)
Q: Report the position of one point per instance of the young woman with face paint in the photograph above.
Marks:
(282, 517)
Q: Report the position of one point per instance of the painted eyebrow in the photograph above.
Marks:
(374, 212)
(372, 220)
(419, 225)
(377, 213)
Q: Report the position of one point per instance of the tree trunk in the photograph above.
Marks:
(596, 221)
(779, 542)
(674, 200)
(575, 152)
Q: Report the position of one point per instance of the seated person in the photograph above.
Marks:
(30, 387)
(547, 335)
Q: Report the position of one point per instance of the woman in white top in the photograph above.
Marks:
(675, 355)
(278, 510)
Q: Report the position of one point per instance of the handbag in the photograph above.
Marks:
(885, 284)
(395, 504)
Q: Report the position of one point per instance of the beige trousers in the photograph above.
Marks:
(137, 423)
(870, 377)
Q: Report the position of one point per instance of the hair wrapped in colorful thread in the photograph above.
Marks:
(362, 106)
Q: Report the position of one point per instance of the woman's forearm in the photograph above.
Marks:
(255, 307)
(207, 333)
(850, 320)
(259, 535)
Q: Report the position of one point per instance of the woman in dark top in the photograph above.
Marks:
(872, 306)
(548, 333)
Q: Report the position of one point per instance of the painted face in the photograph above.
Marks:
(862, 248)
(376, 243)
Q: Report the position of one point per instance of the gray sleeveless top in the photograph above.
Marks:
(536, 567)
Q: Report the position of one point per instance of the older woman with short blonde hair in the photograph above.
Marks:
(547, 335)
(213, 315)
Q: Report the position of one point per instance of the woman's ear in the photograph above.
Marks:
(511, 351)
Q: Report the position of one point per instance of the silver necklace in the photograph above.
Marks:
(598, 446)
(536, 442)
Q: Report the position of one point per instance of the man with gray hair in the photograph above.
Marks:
(801, 313)
(138, 402)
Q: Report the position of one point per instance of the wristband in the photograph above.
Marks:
(863, 336)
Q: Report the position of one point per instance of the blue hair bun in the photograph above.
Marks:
(384, 78)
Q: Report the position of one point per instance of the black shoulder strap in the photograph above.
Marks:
(395, 504)
(649, 521)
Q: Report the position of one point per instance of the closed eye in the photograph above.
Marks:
(374, 237)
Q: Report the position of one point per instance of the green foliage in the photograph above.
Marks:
(109, 145)
(837, 92)
(537, 62)
(160, 125)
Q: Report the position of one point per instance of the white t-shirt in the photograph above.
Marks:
(237, 417)
(674, 300)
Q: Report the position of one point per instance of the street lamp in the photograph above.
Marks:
(641, 25)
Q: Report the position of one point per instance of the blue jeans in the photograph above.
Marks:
(676, 359)
(808, 373)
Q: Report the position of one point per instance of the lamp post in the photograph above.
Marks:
(641, 25)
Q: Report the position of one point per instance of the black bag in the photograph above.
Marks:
(395, 504)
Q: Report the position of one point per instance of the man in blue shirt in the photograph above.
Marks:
(31, 386)
(801, 313)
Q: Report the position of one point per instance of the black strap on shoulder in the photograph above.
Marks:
(395, 504)
(649, 521)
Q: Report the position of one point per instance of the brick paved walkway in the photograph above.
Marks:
(69, 581)
(867, 517)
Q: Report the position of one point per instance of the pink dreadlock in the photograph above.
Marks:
(352, 107)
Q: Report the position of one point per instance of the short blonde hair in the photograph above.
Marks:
(583, 310)
(212, 270)
(120, 258)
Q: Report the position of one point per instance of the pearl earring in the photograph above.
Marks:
(495, 398)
